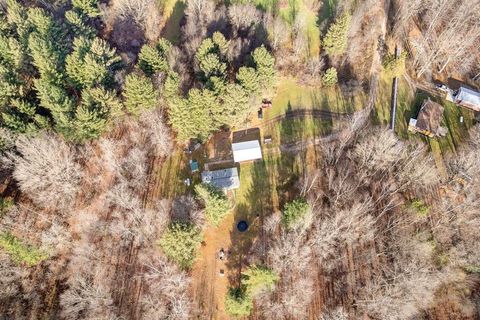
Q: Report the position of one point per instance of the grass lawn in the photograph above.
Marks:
(288, 131)
(291, 95)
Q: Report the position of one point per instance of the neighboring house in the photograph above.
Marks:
(428, 120)
(246, 151)
(225, 179)
(465, 97)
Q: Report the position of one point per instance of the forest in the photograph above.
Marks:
(105, 107)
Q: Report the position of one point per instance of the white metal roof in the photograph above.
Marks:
(246, 151)
(225, 179)
(468, 97)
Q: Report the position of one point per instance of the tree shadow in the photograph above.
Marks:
(172, 29)
(127, 36)
(258, 204)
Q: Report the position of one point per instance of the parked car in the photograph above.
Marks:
(441, 87)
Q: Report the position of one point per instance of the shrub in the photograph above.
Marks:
(20, 252)
(5, 204)
(420, 207)
(238, 302)
(257, 279)
(330, 77)
(394, 66)
(180, 243)
(294, 212)
(216, 203)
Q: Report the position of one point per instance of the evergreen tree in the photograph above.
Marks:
(233, 106)
(152, 59)
(248, 79)
(191, 118)
(17, 19)
(257, 279)
(78, 24)
(216, 203)
(94, 114)
(87, 7)
(139, 94)
(335, 42)
(294, 213)
(91, 63)
(238, 303)
(211, 56)
(330, 77)
(265, 67)
(180, 243)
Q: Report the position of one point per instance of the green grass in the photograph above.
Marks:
(289, 131)
(291, 95)
(21, 253)
(176, 11)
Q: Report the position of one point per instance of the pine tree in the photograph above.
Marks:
(238, 303)
(191, 118)
(233, 106)
(139, 94)
(154, 59)
(95, 113)
(265, 67)
(77, 23)
(335, 42)
(216, 203)
(330, 77)
(210, 56)
(180, 243)
(87, 7)
(248, 79)
(91, 63)
(256, 279)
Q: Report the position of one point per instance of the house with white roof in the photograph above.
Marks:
(246, 151)
(225, 179)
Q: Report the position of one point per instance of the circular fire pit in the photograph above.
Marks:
(242, 226)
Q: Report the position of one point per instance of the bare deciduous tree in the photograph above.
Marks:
(46, 169)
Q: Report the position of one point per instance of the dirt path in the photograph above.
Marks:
(209, 287)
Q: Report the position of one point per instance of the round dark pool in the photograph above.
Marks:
(242, 226)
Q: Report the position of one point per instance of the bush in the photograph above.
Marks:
(294, 212)
(216, 203)
(395, 67)
(19, 252)
(238, 302)
(180, 243)
(257, 279)
(5, 204)
(420, 207)
(330, 77)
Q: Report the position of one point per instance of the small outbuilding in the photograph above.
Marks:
(428, 120)
(246, 151)
(466, 97)
(225, 179)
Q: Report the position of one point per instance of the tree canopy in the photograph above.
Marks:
(216, 203)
